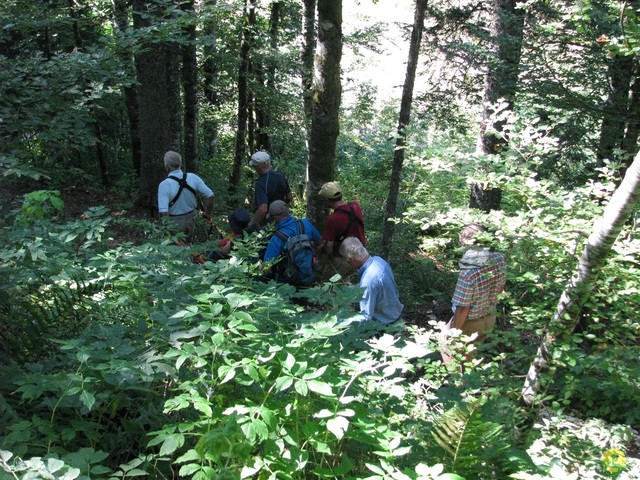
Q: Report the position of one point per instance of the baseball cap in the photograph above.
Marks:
(238, 219)
(278, 208)
(259, 158)
(330, 191)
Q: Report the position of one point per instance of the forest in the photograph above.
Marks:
(121, 356)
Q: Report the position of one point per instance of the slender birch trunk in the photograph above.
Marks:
(576, 293)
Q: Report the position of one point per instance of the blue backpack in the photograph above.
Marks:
(299, 264)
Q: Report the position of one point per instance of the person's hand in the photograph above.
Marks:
(252, 227)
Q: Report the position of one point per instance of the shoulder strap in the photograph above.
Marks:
(281, 235)
(352, 217)
(284, 237)
(183, 184)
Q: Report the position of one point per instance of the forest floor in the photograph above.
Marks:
(78, 200)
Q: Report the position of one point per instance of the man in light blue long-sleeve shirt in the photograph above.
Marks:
(380, 300)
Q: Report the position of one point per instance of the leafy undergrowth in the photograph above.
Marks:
(124, 359)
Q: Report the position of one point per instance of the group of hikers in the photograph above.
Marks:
(298, 254)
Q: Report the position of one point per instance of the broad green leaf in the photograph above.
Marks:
(338, 426)
(324, 413)
(315, 374)
(189, 469)
(320, 387)
(202, 405)
(290, 361)
(87, 399)
(171, 444)
(301, 387)
(283, 383)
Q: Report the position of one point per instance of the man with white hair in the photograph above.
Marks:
(269, 187)
(178, 195)
(380, 300)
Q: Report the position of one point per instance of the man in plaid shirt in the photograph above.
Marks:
(481, 279)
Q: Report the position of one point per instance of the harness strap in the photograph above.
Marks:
(352, 217)
(183, 184)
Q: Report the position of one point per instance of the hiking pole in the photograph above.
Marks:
(212, 227)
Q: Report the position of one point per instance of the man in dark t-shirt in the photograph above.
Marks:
(269, 187)
(346, 221)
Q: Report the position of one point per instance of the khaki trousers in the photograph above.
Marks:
(479, 325)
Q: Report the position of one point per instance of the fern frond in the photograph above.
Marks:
(468, 440)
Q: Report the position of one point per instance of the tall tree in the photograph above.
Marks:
(630, 141)
(210, 71)
(190, 88)
(100, 154)
(309, 34)
(240, 152)
(264, 123)
(403, 123)
(327, 92)
(614, 119)
(159, 100)
(501, 80)
(576, 293)
(121, 22)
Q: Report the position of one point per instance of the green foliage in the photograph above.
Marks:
(473, 445)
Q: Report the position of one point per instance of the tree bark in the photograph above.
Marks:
(576, 293)
(159, 104)
(403, 122)
(309, 33)
(243, 98)
(264, 119)
(501, 81)
(620, 74)
(209, 76)
(121, 25)
(327, 92)
(630, 142)
(190, 88)
(97, 130)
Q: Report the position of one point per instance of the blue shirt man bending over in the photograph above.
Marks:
(381, 300)
(286, 223)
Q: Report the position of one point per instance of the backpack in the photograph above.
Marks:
(299, 260)
(352, 217)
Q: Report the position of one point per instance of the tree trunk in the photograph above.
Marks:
(121, 25)
(190, 88)
(403, 122)
(327, 92)
(263, 115)
(159, 104)
(97, 130)
(501, 81)
(243, 99)
(614, 118)
(576, 293)
(209, 75)
(309, 32)
(630, 142)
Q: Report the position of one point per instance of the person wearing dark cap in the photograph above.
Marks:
(346, 220)
(269, 187)
(288, 224)
(238, 221)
